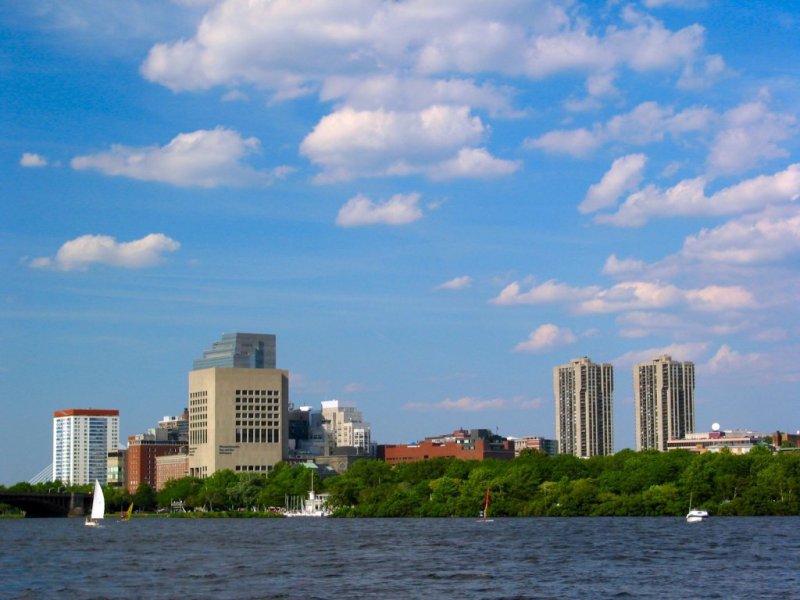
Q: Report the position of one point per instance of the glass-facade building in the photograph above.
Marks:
(240, 350)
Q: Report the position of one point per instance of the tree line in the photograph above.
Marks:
(627, 483)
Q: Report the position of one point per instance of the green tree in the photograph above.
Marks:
(144, 497)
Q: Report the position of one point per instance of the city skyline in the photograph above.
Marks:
(428, 204)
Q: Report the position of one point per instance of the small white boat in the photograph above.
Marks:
(696, 515)
(98, 506)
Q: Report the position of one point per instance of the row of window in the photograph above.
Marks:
(257, 435)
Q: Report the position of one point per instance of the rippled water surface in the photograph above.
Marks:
(401, 558)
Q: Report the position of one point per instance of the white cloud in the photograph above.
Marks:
(465, 403)
(546, 337)
(549, 291)
(31, 159)
(80, 253)
(615, 267)
(394, 93)
(689, 351)
(629, 296)
(244, 43)
(435, 141)
(646, 295)
(473, 162)
(203, 158)
(647, 123)
(624, 175)
(688, 198)
(771, 235)
(728, 360)
(400, 209)
(457, 283)
(751, 133)
(705, 73)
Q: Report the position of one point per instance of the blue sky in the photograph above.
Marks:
(430, 204)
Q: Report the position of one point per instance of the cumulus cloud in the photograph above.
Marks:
(203, 158)
(395, 93)
(704, 73)
(647, 123)
(33, 160)
(616, 267)
(473, 162)
(771, 235)
(80, 253)
(549, 291)
(436, 141)
(751, 133)
(628, 296)
(646, 295)
(688, 198)
(400, 209)
(457, 283)
(728, 360)
(546, 337)
(244, 43)
(624, 175)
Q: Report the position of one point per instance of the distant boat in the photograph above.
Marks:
(127, 516)
(98, 506)
(313, 506)
(695, 515)
(487, 500)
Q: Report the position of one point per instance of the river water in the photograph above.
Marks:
(306, 558)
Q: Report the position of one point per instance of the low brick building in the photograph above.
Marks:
(476, 444)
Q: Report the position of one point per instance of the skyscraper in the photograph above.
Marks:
(82, 439)
(242, 350)
(238, 407)
(664, 399)
(584, 416)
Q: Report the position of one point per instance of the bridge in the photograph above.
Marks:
(65, 504)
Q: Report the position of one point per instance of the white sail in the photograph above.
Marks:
(98, 502)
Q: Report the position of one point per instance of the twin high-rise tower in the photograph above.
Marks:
(664, 396)
(664, 405)
(584, 416)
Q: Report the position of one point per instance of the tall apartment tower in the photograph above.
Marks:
(238, 407)
(664, 398)
(82, 440)
(584, 416)
(344, 426)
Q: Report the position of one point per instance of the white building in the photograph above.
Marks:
(82, 439)
(344, 426)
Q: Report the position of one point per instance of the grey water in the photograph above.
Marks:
(307, 558)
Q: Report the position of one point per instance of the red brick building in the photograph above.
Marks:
(143, 449)
(476, 444)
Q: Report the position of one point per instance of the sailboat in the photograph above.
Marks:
(127, 516)
(695, 515)
(98, 506)
(485, 512)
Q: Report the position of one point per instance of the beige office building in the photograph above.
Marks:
(584, 408)
(664, 400)
(238, 419)
(344, 426)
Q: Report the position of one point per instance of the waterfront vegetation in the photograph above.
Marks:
(626, 484)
